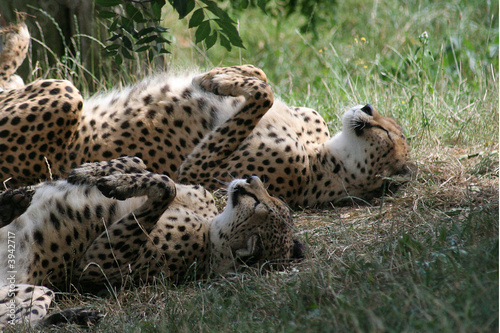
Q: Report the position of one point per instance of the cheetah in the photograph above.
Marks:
(112, 222)
(203, 129)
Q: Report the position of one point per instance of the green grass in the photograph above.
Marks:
(423, 260)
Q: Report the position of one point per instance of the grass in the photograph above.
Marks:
(424, 259)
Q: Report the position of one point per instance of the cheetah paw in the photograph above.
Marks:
(13, 203)
(124, 186)
(225, 80)
(89, 173)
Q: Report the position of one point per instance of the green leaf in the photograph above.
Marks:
(127, 42)
(160, 39)
(156, 7)
(114, 37)
(145, 31)
(127, 25)
(118, 60)
(108, 3)
(126, 53)
(113, 25)
(210, 40)
(229, 29)
(196, 18)
(225, 42)
(212, 6)
(145, 40)
(134, 13)
(112, 47)
(142, 49)
(106, 14)
(227, 25)
(202, 32)
(183, 7)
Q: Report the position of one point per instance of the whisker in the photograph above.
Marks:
(222, 182)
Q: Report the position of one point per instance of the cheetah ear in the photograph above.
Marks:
(251, 249)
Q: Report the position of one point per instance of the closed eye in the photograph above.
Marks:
(383, 129)
(240, 191)
(360, 126)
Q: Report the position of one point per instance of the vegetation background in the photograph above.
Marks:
(424, 259)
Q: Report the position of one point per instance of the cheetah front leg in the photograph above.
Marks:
(247, 81)
(113, 255)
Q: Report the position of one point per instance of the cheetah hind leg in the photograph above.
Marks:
(89, 173)
(123, 240)
(217, 145)
(13, 203)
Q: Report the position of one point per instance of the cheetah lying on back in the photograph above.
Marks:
(113, 221)
(201, 129)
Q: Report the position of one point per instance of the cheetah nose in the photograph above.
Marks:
(368, 109)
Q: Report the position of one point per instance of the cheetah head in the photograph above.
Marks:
(377, 143)
(254, 228)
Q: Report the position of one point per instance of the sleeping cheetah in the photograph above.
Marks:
(201, 129)
(110, 222)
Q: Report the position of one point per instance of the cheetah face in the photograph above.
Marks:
(254, 228)
(378, 135)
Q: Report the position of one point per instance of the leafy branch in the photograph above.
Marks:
(135, 26)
